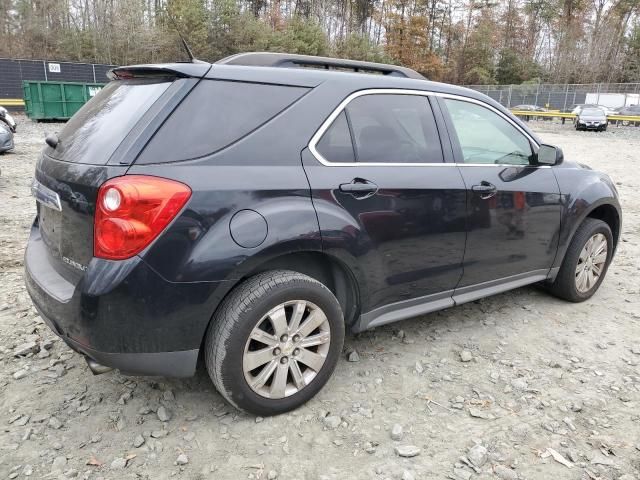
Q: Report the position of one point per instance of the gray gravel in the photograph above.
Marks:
(517, 386)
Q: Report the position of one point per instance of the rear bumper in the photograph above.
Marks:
(166, 364)
(121, 314)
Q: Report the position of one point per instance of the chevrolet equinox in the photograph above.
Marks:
(253, 210)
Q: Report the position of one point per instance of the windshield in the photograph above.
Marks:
(96, 130)
(594, 112)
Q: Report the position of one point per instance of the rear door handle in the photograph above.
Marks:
(485, 190)
(359, 188)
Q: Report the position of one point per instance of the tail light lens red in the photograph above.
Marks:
(131, 211)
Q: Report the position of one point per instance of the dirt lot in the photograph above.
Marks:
(517, 386)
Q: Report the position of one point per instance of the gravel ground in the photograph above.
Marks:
(516, 386)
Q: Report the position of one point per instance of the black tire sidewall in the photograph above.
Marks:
(232, 374)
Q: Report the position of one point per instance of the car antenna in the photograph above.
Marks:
(192, 59)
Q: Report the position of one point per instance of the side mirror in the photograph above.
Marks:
(549, 155)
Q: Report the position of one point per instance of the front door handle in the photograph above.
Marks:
(485, 190)
(359, 188)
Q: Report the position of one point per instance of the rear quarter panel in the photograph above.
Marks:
(198, 245)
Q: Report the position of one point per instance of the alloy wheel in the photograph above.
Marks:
(591, 262)
(286, 349)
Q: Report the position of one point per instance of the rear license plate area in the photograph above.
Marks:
(50, 222)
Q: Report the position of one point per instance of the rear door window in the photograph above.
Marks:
(335, 145)
(215, 115)
(96, 130)
(383, 128)
(394, 129)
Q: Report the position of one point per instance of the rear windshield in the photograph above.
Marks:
(215, 115)
(596, 112)
(96, 130)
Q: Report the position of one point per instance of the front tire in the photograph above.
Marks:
(274, 342)
(585, 263)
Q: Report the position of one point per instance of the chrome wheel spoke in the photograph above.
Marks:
(580, 280)
(587, 248)
(253, 360)
(310, 359)
(296, 374)
(261, 336)
(265, 374)
(296, 317)
(278, 319)
(313, 321)
(599, 244)
(279, 384)
(317, 339)
(600, 258)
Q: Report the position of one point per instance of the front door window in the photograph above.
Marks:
(487, 138)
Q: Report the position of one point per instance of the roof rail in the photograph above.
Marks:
(286, 60)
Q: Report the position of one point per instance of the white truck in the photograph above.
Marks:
(613, 100)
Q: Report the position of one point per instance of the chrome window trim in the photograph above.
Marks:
(397, 91)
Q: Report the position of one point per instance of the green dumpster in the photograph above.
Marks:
(56, 100)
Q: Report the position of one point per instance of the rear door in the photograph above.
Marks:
(513, 204)
(387, 199)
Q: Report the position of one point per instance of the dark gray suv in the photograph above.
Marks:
(254, 210)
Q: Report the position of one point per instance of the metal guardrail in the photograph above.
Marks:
(562, 115)
(11, 102)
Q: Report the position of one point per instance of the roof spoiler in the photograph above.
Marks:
(285, 60)
(184, 70)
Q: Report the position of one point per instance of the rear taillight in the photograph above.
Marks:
(132, 210)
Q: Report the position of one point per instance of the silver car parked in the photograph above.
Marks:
(6, 138)
(7, 128)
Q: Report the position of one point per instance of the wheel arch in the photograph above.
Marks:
(606, 210)
(325, 268)
(609, 215)
(334, 273)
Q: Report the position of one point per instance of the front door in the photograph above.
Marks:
(513, 204)
(386, 199)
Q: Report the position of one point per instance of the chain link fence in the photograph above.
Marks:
(563, 96)
(14, 71)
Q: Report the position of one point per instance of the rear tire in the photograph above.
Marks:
(577, 279)
(259, 351)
